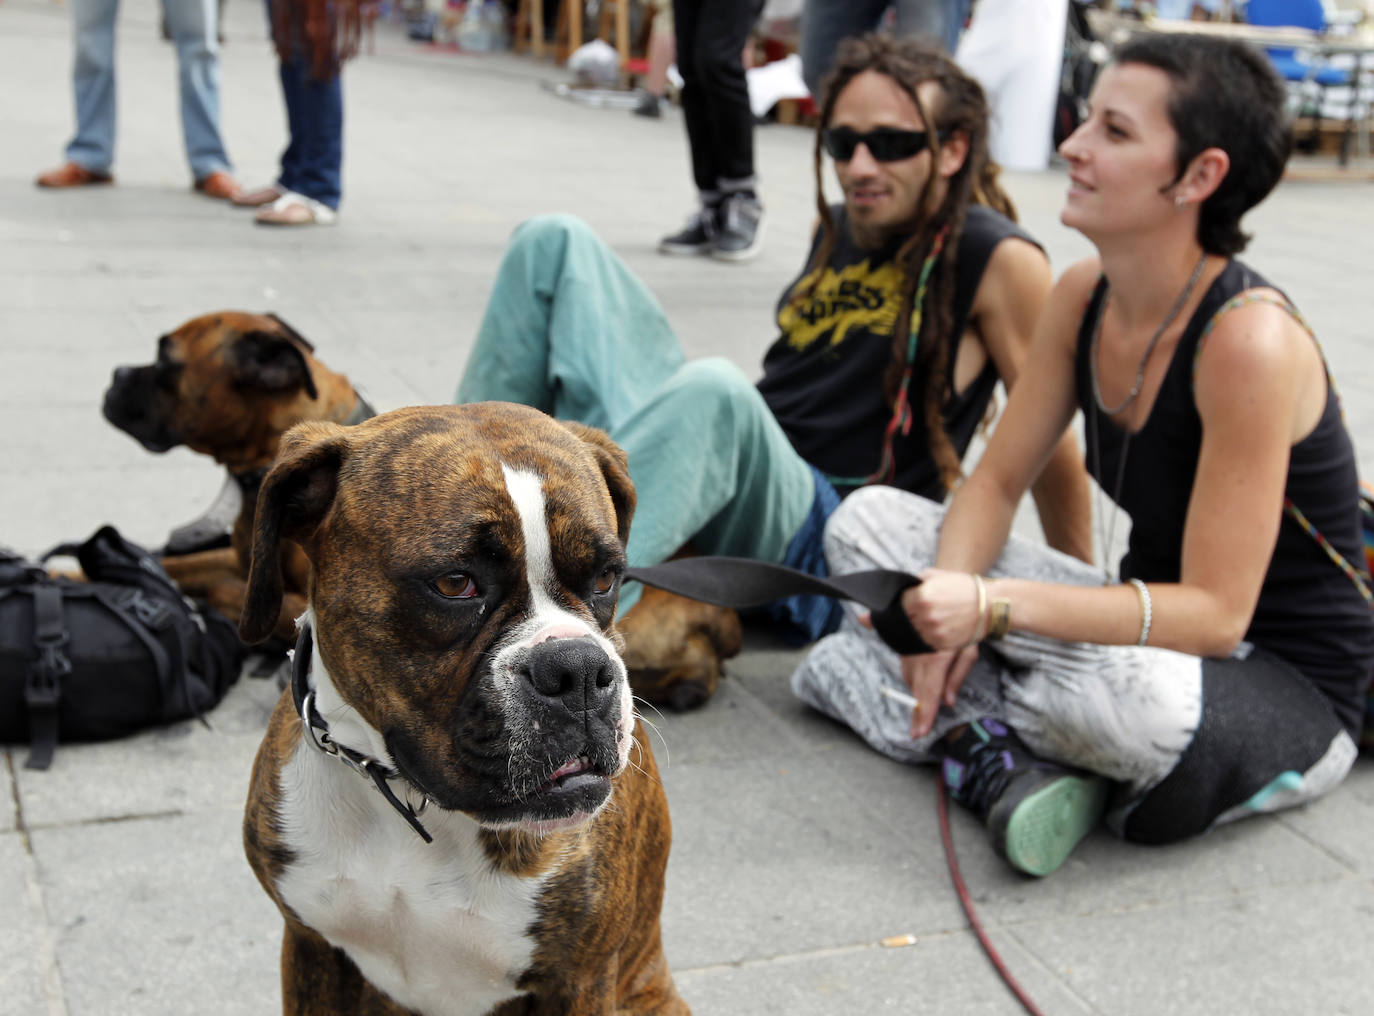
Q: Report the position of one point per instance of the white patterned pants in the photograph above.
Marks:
(1190, 742)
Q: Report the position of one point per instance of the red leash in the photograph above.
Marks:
(966, 901)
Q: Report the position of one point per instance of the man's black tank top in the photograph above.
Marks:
(823, 378)
(1309, 611)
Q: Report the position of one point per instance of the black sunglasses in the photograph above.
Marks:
(886, 144)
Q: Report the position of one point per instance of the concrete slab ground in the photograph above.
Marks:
(797, 851)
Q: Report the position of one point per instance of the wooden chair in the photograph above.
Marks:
(616, 14)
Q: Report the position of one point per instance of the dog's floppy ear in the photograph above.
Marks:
(271, 361)
(291, 332)
(292, 502)
(615, 467)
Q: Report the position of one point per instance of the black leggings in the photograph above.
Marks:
(1266, 732)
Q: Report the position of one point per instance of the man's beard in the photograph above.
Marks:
(873, 236)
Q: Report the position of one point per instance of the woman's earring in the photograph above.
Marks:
(1179, 203)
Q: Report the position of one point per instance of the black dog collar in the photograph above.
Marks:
(317, 733)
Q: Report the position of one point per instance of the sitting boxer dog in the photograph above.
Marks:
(229, 385)
(454, 807)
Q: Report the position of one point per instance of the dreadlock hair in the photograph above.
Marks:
(961, 108)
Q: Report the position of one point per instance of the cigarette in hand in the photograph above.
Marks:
(899, 696)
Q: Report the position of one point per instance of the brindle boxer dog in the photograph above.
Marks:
(454, 807)
(229, 385)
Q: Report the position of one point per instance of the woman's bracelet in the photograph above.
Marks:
(999, 617)
(1146, 610)
(982, 610)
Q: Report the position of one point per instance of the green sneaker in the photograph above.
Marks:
(1035, 811)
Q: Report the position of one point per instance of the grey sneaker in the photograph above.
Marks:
(698, 236)
(1036, 812)
(739, 228)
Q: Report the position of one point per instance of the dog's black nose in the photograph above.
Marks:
(576, 672)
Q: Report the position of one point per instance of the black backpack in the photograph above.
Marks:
(95, 660)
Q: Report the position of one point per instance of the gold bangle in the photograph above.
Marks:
(982, 610)
(999, 617)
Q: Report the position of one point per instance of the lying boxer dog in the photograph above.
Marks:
(454, 807)
(229, 385)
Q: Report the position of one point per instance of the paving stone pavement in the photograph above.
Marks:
(122, 885)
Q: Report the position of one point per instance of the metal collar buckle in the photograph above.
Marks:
(363, 765)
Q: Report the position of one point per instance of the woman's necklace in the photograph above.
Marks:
(1107, 530)
(1149, 347)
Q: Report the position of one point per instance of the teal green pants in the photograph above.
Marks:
(570, 330)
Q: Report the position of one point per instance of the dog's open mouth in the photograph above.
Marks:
(573, 774)
(573, 793)
(547, 796)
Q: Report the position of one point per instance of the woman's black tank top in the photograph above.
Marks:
(1309, 611)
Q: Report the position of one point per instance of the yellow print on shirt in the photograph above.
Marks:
(856, 297)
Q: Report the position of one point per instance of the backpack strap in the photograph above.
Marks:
(43, 681)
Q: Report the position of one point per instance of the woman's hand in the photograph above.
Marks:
(948, 608)
(935, 680)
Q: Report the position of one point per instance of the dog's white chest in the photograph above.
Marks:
(430, 924)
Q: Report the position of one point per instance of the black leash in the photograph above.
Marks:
(365, 765)
(740, 582)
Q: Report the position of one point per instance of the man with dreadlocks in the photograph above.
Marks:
(313, 38)
(919, 294)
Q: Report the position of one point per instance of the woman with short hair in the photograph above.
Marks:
(1224, 672)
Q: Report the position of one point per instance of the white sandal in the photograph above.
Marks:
(292, 209)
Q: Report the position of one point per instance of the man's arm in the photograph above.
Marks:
(1005, 310)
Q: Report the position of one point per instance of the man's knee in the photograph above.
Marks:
(712, 386)
(551, 235)
(555, 230)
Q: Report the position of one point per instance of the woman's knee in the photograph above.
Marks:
(1122, 712)
(877, 521)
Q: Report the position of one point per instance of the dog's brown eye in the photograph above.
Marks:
(605, 581)
(456, 586)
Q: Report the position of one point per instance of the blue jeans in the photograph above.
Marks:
(825, 22)
(193, 27)
(313, 161)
